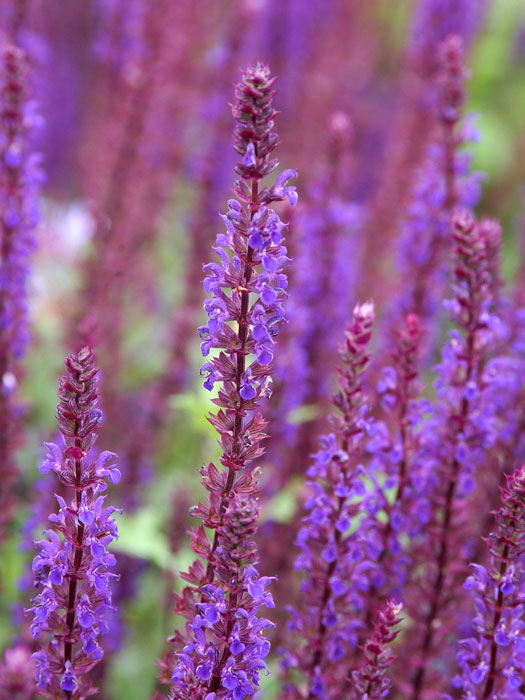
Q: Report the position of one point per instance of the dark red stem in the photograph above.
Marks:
(491, 678)
(77, 562)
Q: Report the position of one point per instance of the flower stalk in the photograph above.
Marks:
(20, 179)
(335, 562)
(491, 661)
(245, 306)
(72, 565)
(455, 438)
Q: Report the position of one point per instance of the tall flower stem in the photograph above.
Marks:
(444, 536)
(20, 178)
(492, 660)
(395, 451)
(406, 361)
(71, 571)
(472, 297)
(335, 563)
(348, 401)
(325, 252)
(451, 78)
(222, 647)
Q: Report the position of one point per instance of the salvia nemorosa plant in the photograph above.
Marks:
(443, 183)
(73, 566)
(398, 514)
(220, 653)
(452, 445)
(492, 660)
(20, 177)
(335, 557)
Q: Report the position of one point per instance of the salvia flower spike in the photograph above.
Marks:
(325, 272)
(225, 654)
(222, 649)
(444, 182)
(492, 660)
(73, 566)
(323, 630)
(393, 447)
(453, 442)
(20, 178)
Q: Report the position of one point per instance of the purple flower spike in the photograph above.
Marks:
(20, 179)
(492, 661)
(221, 651)
(452, 443)
(334, 560)
(72, 566)
(393, 449)
(443, 183)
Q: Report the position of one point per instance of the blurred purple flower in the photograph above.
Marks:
(20, 179)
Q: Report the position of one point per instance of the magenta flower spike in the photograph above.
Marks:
(371, 681)
(20, 178)
(393, 448)
(335, 563)
(443, 183)
(220, 653)
(492, 661)
(453, 441)
(72, 567)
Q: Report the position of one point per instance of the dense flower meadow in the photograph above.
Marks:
(279, 245)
